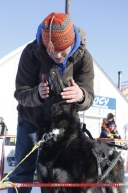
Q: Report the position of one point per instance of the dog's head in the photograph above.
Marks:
(55, 108)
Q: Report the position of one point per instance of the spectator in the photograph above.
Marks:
(110, 117)
(3, 127)
(110, 131)
(105, 123)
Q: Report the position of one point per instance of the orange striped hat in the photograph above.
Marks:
(57, 31)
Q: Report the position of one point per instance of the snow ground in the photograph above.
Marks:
(37, 190)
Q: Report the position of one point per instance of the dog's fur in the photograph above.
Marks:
(71, 158)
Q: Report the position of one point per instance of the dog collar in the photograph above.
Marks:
(55, 132)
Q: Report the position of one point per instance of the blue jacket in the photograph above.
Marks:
(104, 133)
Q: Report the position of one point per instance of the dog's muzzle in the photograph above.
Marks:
(55, 132)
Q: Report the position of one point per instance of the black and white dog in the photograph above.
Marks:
(68, 156)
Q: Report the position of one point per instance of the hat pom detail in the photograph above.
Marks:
(50, 47)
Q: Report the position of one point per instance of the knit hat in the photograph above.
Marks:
(105, 120)
(57, 32)
(1, 119)
(111, 123)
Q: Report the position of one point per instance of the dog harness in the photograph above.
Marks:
(55, 132)
(111, 164)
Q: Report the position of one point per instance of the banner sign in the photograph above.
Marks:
(9, 154)
(10, 141)
(104, 102)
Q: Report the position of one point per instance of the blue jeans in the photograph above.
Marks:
(24, 173)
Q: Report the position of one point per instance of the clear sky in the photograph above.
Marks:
(104, 21)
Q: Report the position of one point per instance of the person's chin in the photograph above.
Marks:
(59, 61)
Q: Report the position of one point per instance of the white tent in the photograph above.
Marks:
(8, 69)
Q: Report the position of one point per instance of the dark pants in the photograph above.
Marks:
(24, 173)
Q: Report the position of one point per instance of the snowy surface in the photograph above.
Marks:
(37, 190)
(34, 190)
(126, 178)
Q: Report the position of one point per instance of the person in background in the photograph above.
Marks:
(110, 117)
(58, 43)
(104, 125)
(110, 131)
(3, 127)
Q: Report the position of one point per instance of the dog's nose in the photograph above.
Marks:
(55, 80)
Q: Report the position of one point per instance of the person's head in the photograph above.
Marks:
(58, 35)
(1, 120)
(105, 120)
(111, 125)
(110, 117)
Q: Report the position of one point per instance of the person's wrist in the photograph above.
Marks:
(82, 99)
(40, 98)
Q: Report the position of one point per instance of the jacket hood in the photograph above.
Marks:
(74, 46)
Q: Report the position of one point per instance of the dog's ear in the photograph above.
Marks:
(55, 81)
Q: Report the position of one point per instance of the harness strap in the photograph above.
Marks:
(111, 165)
(99, 160)
(50, 164)
(84, 129)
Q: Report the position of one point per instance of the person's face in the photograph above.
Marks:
(59, 56)
(111, 127)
